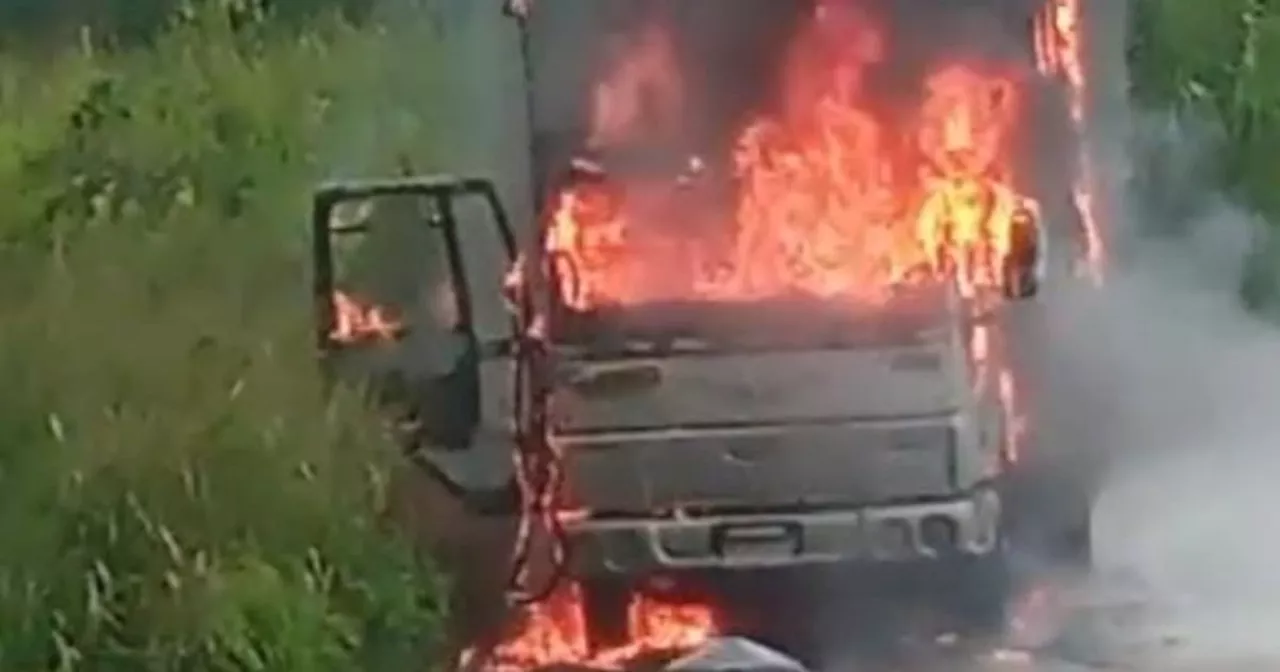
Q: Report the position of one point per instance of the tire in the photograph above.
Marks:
(606, 605)
(1066, 540)
(1052, 522)
(1075, 540)
(983, 588)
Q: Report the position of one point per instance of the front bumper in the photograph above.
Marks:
(893, 533)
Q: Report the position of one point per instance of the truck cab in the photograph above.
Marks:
(824, 381)
(679, 439)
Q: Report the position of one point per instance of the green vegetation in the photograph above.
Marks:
(175, 493)
(1220, 62)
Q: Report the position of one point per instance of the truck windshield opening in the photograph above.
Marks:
(726, 152)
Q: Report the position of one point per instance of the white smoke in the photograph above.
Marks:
(1192, 380)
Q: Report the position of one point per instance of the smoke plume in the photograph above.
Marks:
(1189, 381)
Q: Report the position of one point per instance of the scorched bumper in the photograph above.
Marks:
(906, 532)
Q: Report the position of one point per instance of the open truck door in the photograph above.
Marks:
(407, 287)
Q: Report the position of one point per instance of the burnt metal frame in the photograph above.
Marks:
(520, 11)
(442, 189)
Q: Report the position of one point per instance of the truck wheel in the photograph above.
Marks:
(1075, 549)
(1065, 534)
(1053, 522)
(605, 609)
(983, 585)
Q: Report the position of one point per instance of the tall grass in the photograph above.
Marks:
(175, 494)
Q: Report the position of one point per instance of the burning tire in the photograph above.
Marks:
(606, 605)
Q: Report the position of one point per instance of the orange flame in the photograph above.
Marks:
(554, 632)
(829, 199)
(1060, 53)
(355, 322)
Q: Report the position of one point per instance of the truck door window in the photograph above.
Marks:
(394, 270)
(485, 260)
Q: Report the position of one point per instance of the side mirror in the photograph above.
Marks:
(1021, 272)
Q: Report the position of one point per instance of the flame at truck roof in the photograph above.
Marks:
(838, 159)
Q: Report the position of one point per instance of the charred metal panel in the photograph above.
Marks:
(980, 432)
(487, 464)
(764, 466)
(759, 388)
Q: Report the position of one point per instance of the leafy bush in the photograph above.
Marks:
(136, 22)
(175, 493)
(1220, 61)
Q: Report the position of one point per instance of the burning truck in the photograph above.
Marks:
(778, 311)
